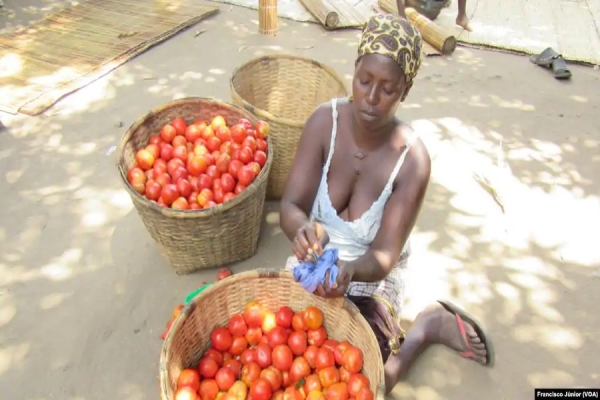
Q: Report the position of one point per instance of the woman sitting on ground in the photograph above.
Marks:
(374, 173)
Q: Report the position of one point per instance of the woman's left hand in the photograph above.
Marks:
(339, 288)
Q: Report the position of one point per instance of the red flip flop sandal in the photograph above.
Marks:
(461, 318)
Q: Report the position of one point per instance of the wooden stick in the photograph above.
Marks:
(268, 23)
(432, 33)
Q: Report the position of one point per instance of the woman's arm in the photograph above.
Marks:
(398, 219)
(305, 175)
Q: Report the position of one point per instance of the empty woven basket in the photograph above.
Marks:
(284, 90)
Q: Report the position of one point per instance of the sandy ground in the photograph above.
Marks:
(84, 293)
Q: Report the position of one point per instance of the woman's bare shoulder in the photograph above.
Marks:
(417, 161)
(320, 122)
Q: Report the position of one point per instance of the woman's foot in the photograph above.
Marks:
(463, 20)
(445, 326)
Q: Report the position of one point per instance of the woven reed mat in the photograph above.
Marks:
(571, 27)
(70, 49)
(335, 14)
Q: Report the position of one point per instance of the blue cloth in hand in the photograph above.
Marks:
(310, 275)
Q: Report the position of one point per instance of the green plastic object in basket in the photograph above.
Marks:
(193, 294)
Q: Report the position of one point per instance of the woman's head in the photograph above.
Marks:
(389, 57)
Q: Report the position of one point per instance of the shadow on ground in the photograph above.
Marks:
(85, 293)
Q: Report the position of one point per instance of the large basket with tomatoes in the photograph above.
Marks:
(259, 335)
(196, 170)
(284, 90)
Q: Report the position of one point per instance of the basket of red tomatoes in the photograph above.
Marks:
(259, 335)
(196, 170)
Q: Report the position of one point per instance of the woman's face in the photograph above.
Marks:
(379, 85)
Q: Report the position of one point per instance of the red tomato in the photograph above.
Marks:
(364, 394)
(180, 126)
(325, 358)
(193, 133)
(253, 165)
(213, 144)
(225, 378)
(313, 317)
(210, 160)
(284, 317)
(237, 326)
(246, 176)
(339, 350)
(223, 133)
(179, 141)
(234, 166)
(213, 172)
(223, 273)
(299, 369)
(152, 190)
(181, 152)
(261, 390)
(154, 139)
(178, 174)
(189, 378)
(298, 322)
(263, 355)
(245, 123)
(239, 188)
(329, 376)
(250, 373)
(205, 197)
(298, 342)
(227, 182)
(337, 391)
(312, 383)
(235, 366)
(261, 145)
(228, 196)
(144, 159)
(166, 152)
(317, 336)
(260, 157)
(180, 204)
(215, 355)
(330, 344)
(238, 133)
(235, 155)
(217, 122)
(282, 357)
(197, 165)
(154, 150)
(250, 142)
(186, 393)
(160, 166)
(274, 376)
(246, 155)
(276, 336)
(184, 187)
(254, 335)
(248, 356)
(204, 182)
(221, 339)
(254, 314)
(357, 382)
(311, 355)
(238, 345)
(207, 132)
(208, 389)
(173, 164)
(169, 194)
(167, 133)
(352, 359)
(208, 367)
(344, 375)
(218, 191)
(262, 128)
(293, 393)
(269, 322)
(200, 147)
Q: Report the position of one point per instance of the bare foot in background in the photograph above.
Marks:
(463, 20)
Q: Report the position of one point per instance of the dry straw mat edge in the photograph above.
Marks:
(189, 335)
(284, 90)
(197, 239)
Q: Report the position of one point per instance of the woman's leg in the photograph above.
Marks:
(461, 18)
(434, 325)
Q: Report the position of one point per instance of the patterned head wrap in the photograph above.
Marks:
(393, 37)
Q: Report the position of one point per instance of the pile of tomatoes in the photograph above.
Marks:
(197, 166)
(262, 355)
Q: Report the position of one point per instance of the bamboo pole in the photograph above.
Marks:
(268, 23)
(431, 32)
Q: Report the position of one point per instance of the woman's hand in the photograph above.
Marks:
(340, 287)
(309, 238)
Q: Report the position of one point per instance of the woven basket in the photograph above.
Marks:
(197, 239)
(284, 91)
(189, 336)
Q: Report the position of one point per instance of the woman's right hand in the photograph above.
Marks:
(310, 238)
